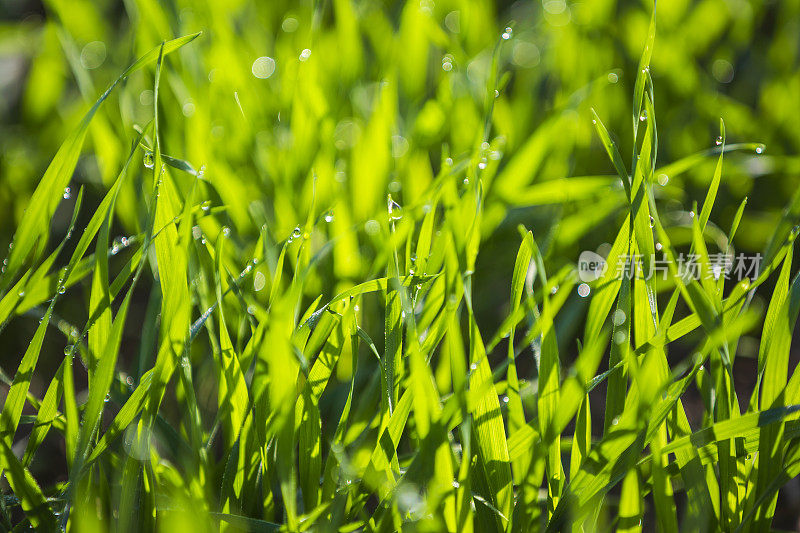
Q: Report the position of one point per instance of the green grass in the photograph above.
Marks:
(349, 299)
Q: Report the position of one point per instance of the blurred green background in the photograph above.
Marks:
(346, 101)
(372, 96)
(375, 97)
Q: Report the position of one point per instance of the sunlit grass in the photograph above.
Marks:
(301, 328)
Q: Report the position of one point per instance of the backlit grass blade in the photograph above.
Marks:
(516, 415)
(15, 398)
(770, 453)
(48, 411)
(630, 505)
(27, 490)
(489, 429)
(613, 153)
(641, 79)
(711, 196)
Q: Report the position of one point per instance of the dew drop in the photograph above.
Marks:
(505, 399)
(554, 290)
(148, 159)
(507, 33)
(718, 141)
(67, 193)
(61, 289)
(393, 208)
(329, 217)
(760, 150)
(643, 116)
(652, 222)
(259, 281)
(226, 231)
(473, 366)
(663, 179)
(619, 317)
(305, 54)
(584, 290)
(466, 181)
(68, 349)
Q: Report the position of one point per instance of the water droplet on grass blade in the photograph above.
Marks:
(259, 281)
(295, 234)
(149, 160)
(718, 141)
(447, 63)
(393, 208)
(507, 33)
(67, 193)
(584, 290)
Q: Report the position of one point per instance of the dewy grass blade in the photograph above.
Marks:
(30, 235)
